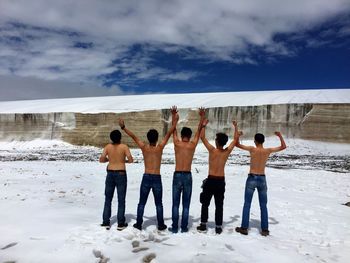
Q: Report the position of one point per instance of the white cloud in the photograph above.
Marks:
(211, 30)
(209, 25)
(23, 88)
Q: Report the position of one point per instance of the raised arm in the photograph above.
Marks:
(235, 137)
(171, 130)
(238, 134)
(200, 125)
(140, 143)
(103, 158)
(281, 147)
(204, 139)
(173, 117)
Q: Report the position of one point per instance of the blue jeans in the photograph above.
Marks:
(258, 182)
(115, 179)
(154, 182)
(182, 183)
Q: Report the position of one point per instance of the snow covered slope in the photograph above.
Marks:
(163, 101)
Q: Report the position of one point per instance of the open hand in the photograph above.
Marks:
(121, 123)
(202, 112)
(234, 123)
(173, 110)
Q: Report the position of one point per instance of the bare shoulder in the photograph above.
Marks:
(177, 142)
(108, 146)
(124, 147)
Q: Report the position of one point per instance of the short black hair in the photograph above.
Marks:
(259, 138)
(115, 136)
(186, 132)
(221, 138)
(152, 136)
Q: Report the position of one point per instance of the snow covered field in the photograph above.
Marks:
(51, 208)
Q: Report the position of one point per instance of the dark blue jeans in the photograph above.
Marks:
(154, 182)
(182, 183)
(258, 182)
(115, 180)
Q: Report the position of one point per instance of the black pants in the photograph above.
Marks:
(213, 187)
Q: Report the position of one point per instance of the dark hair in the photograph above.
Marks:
(259, 138)
(221, 138)
(186, 132)
(115, 136)
(152, 136)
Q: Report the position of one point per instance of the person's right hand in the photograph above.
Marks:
(121, 123)
(277, 133)
(173, 110)
(202, 112)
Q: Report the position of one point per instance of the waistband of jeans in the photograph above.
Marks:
(116, 171)
(218, 178)
(182, 172)
(250, 174)
(152, 175)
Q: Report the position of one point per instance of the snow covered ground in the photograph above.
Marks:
(51, 208)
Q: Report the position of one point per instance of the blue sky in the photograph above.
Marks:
(55, 49)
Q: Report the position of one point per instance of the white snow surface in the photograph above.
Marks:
(51, 211)
(132, 103)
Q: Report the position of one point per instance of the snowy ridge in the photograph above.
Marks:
(133, 103)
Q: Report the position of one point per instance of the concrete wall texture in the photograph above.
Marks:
(322, 122)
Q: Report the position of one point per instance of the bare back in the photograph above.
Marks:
(152, 156)
(117, 154)
(184, 152)
(258, 159)
(217, 161)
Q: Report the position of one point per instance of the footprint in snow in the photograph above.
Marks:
(148, 258)
(136, 247)
(98, 254)
(229, 247)
(9, 245)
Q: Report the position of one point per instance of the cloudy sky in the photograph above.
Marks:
(55, 49)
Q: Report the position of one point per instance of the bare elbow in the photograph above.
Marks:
(103, 159)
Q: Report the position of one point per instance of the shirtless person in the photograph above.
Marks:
(116, 154)
(182, 180)
(214, 185)
(152, 155)
(256, 179)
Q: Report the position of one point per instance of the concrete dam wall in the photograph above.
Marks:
(322, 122)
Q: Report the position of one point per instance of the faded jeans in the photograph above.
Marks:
(258, 182)
(150, 182)
(182, 183)
(115, 179)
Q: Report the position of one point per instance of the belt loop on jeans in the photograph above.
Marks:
(152, 175)
(250, 174)
(116, 171)
(182, 172)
